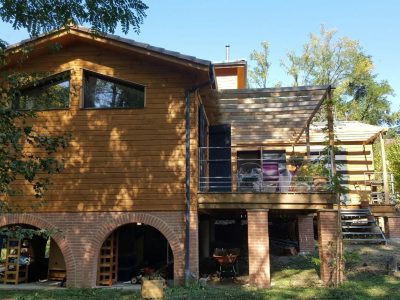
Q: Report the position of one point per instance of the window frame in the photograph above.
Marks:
(113, 80)
(43, 82)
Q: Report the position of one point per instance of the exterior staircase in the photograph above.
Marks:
(359, 226)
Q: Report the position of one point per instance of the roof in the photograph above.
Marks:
(130, 42)
(265, 116)
(347, 131)
(239, 62)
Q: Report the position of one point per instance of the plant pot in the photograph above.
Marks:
(302, 187)
(319, 183)
(153, 288)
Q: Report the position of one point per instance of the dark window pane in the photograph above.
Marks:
(49, 93)
(102, 92)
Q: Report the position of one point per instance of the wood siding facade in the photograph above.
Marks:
(118, 159)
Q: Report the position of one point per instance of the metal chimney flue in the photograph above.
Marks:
(227, 47)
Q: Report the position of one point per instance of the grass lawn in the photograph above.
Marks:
(360, 286)
(292, 278)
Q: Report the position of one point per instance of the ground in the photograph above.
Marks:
(293, 277)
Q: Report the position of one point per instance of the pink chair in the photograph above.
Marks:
(270, 172)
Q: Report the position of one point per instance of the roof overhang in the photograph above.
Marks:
(348, 131)
(266, 116)
(69, 34)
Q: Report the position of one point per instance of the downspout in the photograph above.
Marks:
(188, 93)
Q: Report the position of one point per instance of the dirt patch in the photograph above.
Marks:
(371, 258)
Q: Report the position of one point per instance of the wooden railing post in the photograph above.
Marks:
(384, 169)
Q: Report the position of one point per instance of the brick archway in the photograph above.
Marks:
(148, 219)
(28, 219)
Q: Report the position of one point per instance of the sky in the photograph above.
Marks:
(203, 28)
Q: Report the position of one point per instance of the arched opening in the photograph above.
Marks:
(133, 251)
(28, 256)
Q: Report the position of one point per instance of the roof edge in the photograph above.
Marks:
(129, 42)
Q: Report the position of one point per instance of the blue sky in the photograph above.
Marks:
(203, 28)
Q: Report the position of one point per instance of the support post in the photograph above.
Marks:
(384, 169)
(308, 141)
(305, 227)
(338, 229)
(258, 243)
(327, 240)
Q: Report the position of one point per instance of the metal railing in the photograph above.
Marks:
(374, 184)
(258, 170)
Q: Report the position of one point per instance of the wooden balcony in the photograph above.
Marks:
(243, 200)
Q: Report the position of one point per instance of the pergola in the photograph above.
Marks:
(267, 116)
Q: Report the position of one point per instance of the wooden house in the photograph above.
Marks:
(164, 167)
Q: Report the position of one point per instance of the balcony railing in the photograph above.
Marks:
(259, 170)
(374, 183)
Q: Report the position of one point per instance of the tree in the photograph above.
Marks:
(25, 153)
(392, 148)
(259, 74)
(342, 63)
(103, 15)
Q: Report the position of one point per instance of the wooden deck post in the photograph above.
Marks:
(384, 169)
(308, 141)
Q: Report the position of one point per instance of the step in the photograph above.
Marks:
(366, 240)
(355, 215)
(360, 210)
(358, 226)
(361, 233)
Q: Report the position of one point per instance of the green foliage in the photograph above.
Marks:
(259, 74)
(351, 258)
(341, 62)
(26, 153)
(392, 149)
(43, 16)
(20, 233)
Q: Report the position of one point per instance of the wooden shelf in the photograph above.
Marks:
(108, 261)
(14, 272)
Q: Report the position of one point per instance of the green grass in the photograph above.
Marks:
(292, 277)
(358, 286)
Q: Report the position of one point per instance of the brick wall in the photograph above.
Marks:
(392, 227)
(305, 226)
(258, 243)
(82, 234)
(194, 244)
(327, 233)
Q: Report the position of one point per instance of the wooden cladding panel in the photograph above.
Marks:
(118, 159)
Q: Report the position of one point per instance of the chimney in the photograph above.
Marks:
(227, 53)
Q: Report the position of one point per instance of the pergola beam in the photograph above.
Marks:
(327, 91)
(267, 115)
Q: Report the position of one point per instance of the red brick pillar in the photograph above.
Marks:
(305, 227)
(194, 243)
(327, 234)
(392, 227)
(258, 243)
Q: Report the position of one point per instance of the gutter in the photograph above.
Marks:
(188, 93)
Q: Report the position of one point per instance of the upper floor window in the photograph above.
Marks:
(105, 92)
(48, 93)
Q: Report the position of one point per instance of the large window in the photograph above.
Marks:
(48, 93)
(106, 92)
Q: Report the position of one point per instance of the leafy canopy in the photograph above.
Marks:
(103, 15)
(259, 74)
(341, 62)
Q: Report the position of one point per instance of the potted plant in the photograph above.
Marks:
(298, 168)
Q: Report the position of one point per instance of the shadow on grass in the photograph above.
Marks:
(360, 286)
